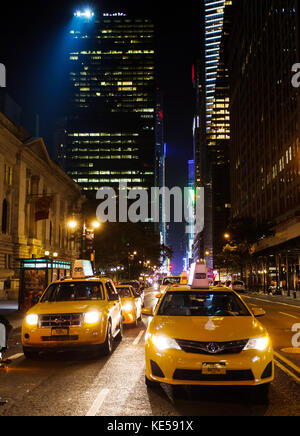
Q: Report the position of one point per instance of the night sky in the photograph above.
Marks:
(32, 49)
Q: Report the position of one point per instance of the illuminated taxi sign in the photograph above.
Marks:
(82, 269)
(183, 278)
(198, 276)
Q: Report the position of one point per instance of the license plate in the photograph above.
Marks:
(60, 332)
(214, 369)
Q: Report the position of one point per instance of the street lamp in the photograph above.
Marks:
(96, 225)
(72, 224)
(227, 236)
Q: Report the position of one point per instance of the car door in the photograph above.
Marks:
(114, 304)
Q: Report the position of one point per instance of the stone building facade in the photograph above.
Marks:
(26, 174)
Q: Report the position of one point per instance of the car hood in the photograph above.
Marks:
(67, 307)
(206, 329)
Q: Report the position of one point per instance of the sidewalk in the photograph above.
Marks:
(9, 309)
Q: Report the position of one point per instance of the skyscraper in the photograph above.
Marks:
(211, 124)
(110, 130)
(214, 20)
(265, 120)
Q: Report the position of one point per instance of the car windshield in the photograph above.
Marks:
(135, 285)
(195, 303)
(171, 281)
(73, 292)
(124, 292)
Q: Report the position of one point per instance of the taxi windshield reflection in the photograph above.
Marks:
(202, 304)
(73, 292)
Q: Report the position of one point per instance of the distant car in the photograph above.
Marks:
(169, 281)
(137, 287)
(157, 284)
(131, 304)
(238, 286)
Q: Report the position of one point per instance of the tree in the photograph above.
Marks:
(128, 245)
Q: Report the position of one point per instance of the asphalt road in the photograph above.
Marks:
(75, 384)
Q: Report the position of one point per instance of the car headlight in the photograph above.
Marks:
(32, 319)
(92, 317)
(163, 343)
(128, 307)
(259, 344)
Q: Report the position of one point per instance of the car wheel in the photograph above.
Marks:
(150, 383)
(119, 336)
(108, 344)
(30, 355)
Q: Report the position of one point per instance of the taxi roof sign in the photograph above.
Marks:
(199, 277)
(184, 278)
(82, 269)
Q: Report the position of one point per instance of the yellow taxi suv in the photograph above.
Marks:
(207, 336)
(131, 304)
(74, 314)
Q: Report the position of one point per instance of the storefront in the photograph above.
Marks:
(36, 275)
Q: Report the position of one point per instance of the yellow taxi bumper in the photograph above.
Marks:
(129, 317)
(48, 338)
(176, 367)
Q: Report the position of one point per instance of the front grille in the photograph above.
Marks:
(63, 338)
(212, 348)
(60, 320)
(196, 375)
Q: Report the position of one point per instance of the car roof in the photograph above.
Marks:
(86, 279)
(181, 288)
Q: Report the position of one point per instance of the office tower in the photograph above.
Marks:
(218, 143)
(213, 28)
(110, 130)
(210, 125)
(265, 110)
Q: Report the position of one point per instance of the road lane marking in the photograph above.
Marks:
(287, 362)
(272, 302)
(138, 338)
(98, 402)
(284, 369)
(287, 314)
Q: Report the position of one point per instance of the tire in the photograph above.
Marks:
(150, 383)
(108, 344)
(119, 336)
(30, 355)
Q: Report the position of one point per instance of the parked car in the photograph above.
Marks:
(238, 286)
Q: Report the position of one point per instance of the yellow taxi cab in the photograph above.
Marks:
(169, 281)
(207, 336)
(77, 313)
(131, 304)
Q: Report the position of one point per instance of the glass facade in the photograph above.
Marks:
(110, 134)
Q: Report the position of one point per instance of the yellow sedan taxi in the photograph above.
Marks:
(207, 336)
(74, 314)
(131, 304)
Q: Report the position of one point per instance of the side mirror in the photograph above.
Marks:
(157, 295)
(258, 312)
(148, 311)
